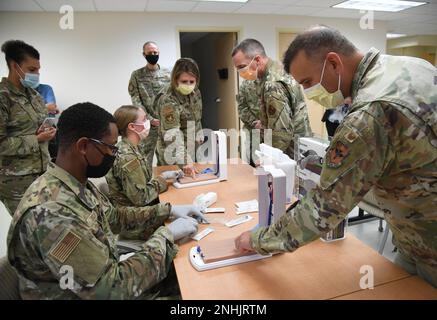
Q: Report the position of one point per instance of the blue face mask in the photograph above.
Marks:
(31, 80)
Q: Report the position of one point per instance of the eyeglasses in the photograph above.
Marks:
(114, 149)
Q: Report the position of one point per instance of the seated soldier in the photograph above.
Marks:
(63, 221)
(130, 179)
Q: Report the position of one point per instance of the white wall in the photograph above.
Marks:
(94, 61)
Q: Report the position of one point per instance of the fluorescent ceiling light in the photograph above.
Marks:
(379, 5)
(395, 35)
(224, 0)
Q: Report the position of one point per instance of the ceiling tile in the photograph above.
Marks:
(19, 5)
(297, 11)
(117, 5)
(318, 3)
(217, 7)
(281, 2)
(338, 13)
(170, 5)
(404, 17)
(259, 8)
(429, 8)
(55, 5)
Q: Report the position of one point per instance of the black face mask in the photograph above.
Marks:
(152, 58)
(102, 169)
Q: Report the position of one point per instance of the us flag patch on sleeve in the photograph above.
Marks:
(65, 247)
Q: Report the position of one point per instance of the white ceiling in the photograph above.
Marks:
(420, 20)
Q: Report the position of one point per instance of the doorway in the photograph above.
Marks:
(218, 79)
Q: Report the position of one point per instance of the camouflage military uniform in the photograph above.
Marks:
(22, 158)
(248, 111)
(61, 222)
(180, 118)
(130, 180)
(283, 107)
(387, 141)
(144, 85)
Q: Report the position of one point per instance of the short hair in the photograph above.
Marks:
(317, 42)
(182, 65)
(18, 51)
(149, 42)
(82, 120)
(250, 48)
(125, 115)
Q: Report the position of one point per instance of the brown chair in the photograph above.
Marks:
(8, 281)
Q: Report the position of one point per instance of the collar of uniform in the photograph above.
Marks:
(72, 183)
(269, 66)
(14, 89)
(365, 64)
(129, 144)
(152, 71)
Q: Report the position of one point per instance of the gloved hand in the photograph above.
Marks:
(172, 174)
(188, 210)
(183, 227)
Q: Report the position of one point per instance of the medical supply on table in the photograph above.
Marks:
(271, 194)
(215, 210)
(240, 220)
(246, 206)
(207, 170)
(204, 200)
(202, 234)
(218, 157)
(222, 255)
(270, 156)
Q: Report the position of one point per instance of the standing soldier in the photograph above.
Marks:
(24, 150)
(283, 108)
(179, 105)
(387, 141)
(144, 85)
(249, 113)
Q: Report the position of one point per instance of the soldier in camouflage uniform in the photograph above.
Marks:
(249, 113)
(130, 180)
(23, 142)
(179, 106)
(144, 84)
(387, 141)
(283, 108)
(64, 221)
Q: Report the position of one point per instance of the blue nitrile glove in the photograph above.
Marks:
(189, 210)
(183, 227)
(207, 170)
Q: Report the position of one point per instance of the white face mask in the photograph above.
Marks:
(145, 132)
(319, 94)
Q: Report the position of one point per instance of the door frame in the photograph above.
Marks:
(179, 29)
(283, 30)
